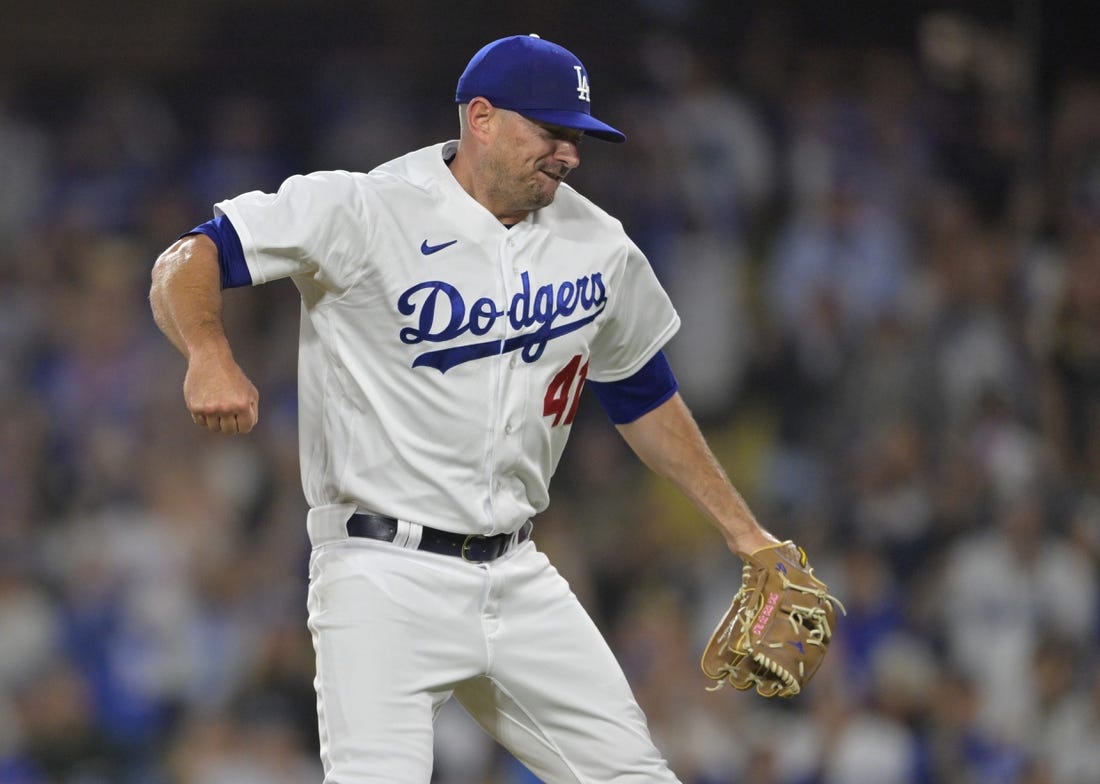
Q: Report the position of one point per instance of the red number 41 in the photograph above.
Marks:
(566, 386)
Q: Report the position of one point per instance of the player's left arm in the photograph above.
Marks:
(669, 441)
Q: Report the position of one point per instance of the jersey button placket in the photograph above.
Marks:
(501, 451)
(513, 386)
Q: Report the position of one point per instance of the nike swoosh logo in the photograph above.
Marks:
(428, 250)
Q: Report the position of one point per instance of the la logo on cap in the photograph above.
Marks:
(582, 84)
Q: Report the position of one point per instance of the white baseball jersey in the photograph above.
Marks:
(443, 354)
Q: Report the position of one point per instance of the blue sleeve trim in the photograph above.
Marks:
(628, 399)
(230, 253)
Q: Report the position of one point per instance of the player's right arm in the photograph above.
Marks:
(186, 299)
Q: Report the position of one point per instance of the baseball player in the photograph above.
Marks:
(455, 302)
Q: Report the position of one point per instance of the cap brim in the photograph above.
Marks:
(577, 120)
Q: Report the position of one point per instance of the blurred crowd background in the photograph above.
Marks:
(881, 229)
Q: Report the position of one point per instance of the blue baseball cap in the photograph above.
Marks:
(537, 79)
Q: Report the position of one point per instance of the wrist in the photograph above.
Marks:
(748, 542)
(208, 346)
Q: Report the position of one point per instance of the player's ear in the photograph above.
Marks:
(480, 117)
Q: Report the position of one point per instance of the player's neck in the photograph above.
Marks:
(463, 172)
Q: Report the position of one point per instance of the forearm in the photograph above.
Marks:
(186, 300)
(186, 297)
(669, 442)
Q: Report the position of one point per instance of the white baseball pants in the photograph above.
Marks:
(398, 632)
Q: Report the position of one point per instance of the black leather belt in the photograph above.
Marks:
(469, 547)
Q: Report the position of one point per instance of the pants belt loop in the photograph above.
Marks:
(521, 534)
(408, 535)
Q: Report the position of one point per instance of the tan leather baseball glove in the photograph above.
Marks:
(776, 632)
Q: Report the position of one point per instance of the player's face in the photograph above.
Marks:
(530, 160)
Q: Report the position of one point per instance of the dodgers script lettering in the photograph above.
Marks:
(442, 315)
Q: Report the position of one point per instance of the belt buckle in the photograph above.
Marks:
(466, 546)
